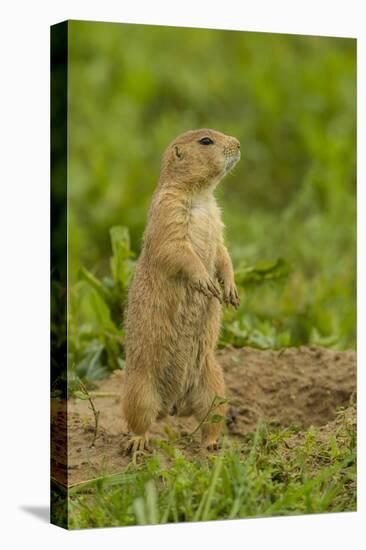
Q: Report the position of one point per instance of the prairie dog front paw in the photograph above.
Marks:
(208, 287)
(231, 295)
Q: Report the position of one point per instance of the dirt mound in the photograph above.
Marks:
(302, 386)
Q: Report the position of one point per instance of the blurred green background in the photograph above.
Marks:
(290, 100)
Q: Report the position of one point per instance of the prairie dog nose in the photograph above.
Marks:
(236, 142)
(233, 145)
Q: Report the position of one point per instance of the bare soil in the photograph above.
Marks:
(302, 386)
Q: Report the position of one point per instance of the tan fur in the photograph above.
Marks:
(174, 305)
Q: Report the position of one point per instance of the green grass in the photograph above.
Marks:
(273, 472)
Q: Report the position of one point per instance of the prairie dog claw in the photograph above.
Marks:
(231, 296)
(138, 445)
(209, 288)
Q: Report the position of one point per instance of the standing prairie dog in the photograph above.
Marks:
(174, 302)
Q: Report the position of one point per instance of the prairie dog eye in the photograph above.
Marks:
(205, 141)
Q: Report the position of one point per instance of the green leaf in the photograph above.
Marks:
(89, 278)
(102, 312)
(216, 418)
(121, 362)
(262, 271)
(219, 400)
(265, 266)
(152, 508)
(120, 265)
(91, 367)
(80, 395)
(140, 512)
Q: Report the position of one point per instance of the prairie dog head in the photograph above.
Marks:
(199, 159)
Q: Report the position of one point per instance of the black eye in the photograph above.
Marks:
(205, 141)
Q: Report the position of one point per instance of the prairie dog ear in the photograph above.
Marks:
(178, 152)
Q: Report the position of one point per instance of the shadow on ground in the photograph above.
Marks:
(40, 512)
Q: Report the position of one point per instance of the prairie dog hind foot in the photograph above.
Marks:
(212, 446)
(138, 445)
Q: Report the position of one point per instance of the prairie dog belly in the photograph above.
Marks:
(205, 229)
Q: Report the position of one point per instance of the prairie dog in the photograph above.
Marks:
(174, 302)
